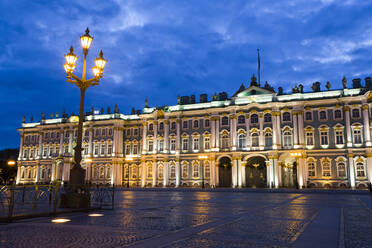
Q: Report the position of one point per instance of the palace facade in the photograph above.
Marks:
(256, 138)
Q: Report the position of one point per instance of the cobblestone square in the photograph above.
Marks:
(170, 218)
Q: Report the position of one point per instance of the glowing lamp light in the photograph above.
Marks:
(128, 159)
(71, 58)
(60, 220)
(86, 40)
(203, 157)
(88, 160)
(95, 215)
(68, 68)
(100, 61)
(96, 71)
(11, 162)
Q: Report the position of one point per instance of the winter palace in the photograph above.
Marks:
(256, 138)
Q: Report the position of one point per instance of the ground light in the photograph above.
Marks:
(95, 215)
(60, 220)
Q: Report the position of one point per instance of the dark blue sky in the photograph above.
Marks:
(159, 49)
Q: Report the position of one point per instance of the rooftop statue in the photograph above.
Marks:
(253, 81)
(328, 85)
(316, 87)
(146, 103)
(344, 82)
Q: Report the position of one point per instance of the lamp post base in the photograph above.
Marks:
(77, 175)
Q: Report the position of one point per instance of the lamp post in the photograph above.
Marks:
(77, 174)
(202, 158)
(297, 155)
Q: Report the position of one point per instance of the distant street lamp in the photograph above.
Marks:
(202, 158)
(11, 162)
(77, 173)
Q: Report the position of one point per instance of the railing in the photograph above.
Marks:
(17, 202)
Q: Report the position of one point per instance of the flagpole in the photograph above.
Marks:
(259, 67)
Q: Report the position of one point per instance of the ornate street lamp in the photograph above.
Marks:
(77, 173)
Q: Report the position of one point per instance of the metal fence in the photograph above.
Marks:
(17, 202)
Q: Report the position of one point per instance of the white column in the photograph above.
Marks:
(301, 135)
(243, 164)
(233, 131)
(234, 172)
(178, 132)
(154, 174)
(53, 178)
(90, 145)
(269, 176)
(351, 171)
(295, 130)
(212, 172)
(155, 137)
(37, 177)
(60, 142)
(143, 173)
(275, 130)
(213, 133)
(248, 134)
(71, 136)
(367, 134)
(66, 171)
(276, 172)
(165, 173)
(261, 137)
(369, 167)
(279, 135)
(166, 136)
(144, 138)
(21, 147)
(300, 172)
(240, 171)
(348, 127)
(217, 138)
(178, 173)
(18, 174)
(40, 155)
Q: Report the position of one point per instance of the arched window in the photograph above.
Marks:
(326, 169)
(42, 173)
(151, 127)
(357, 134)
(355, 113)
(287, 139)
(311, 168)
(196, 124)
(160, 171)
(360, 170)
(195, 170)
(101, 172)
(322, 115)
(184, 171)
(241, 119)
(134, 171)
(95, 173)
(268, 139)
(254, 118)
(254, 138)
(286, 116)
(149, 171)
(207, 170)
(108, 172)
(225, 141)
(150, 145)
(172, 171)
(241, 141)
(225, 121)
(173, 125)
(341, 169)
(267, 117)
(161, 126)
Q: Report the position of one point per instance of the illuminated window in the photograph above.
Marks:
(127, 149)
(184, 171)
(96, 149)
(149, 171)
(150, 145)
(173, 145)
(287, 139)
(341, 169)
(103, 149)
(225, 141)
(254, 140)
(109, 149)
(326, 169)
(134, 171)
(135, 149)
(360, 170)
(207, 170)
(172, 171)
(207, 145)
(311, 169)
(160, 172)
(241, 141)
(195, 170)
(309, 138)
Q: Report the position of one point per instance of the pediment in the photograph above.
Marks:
(254, 90)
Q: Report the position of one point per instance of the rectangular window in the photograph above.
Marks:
(45, 151)
(96, 149)
(339, 137)
(185, 144)
(135, 131)
(150, 146)
(357, 136)
(326, 172)
(127, 149)
(324, 138)
(86, 149)
(195, 144)
(103, 149)
(309, 138)
(173, 145)
(109, 149)
(311, 169)
(308, 116)
(161, 145)
(207, 143)
(135, 149)
(207, 123)
(184, 125)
